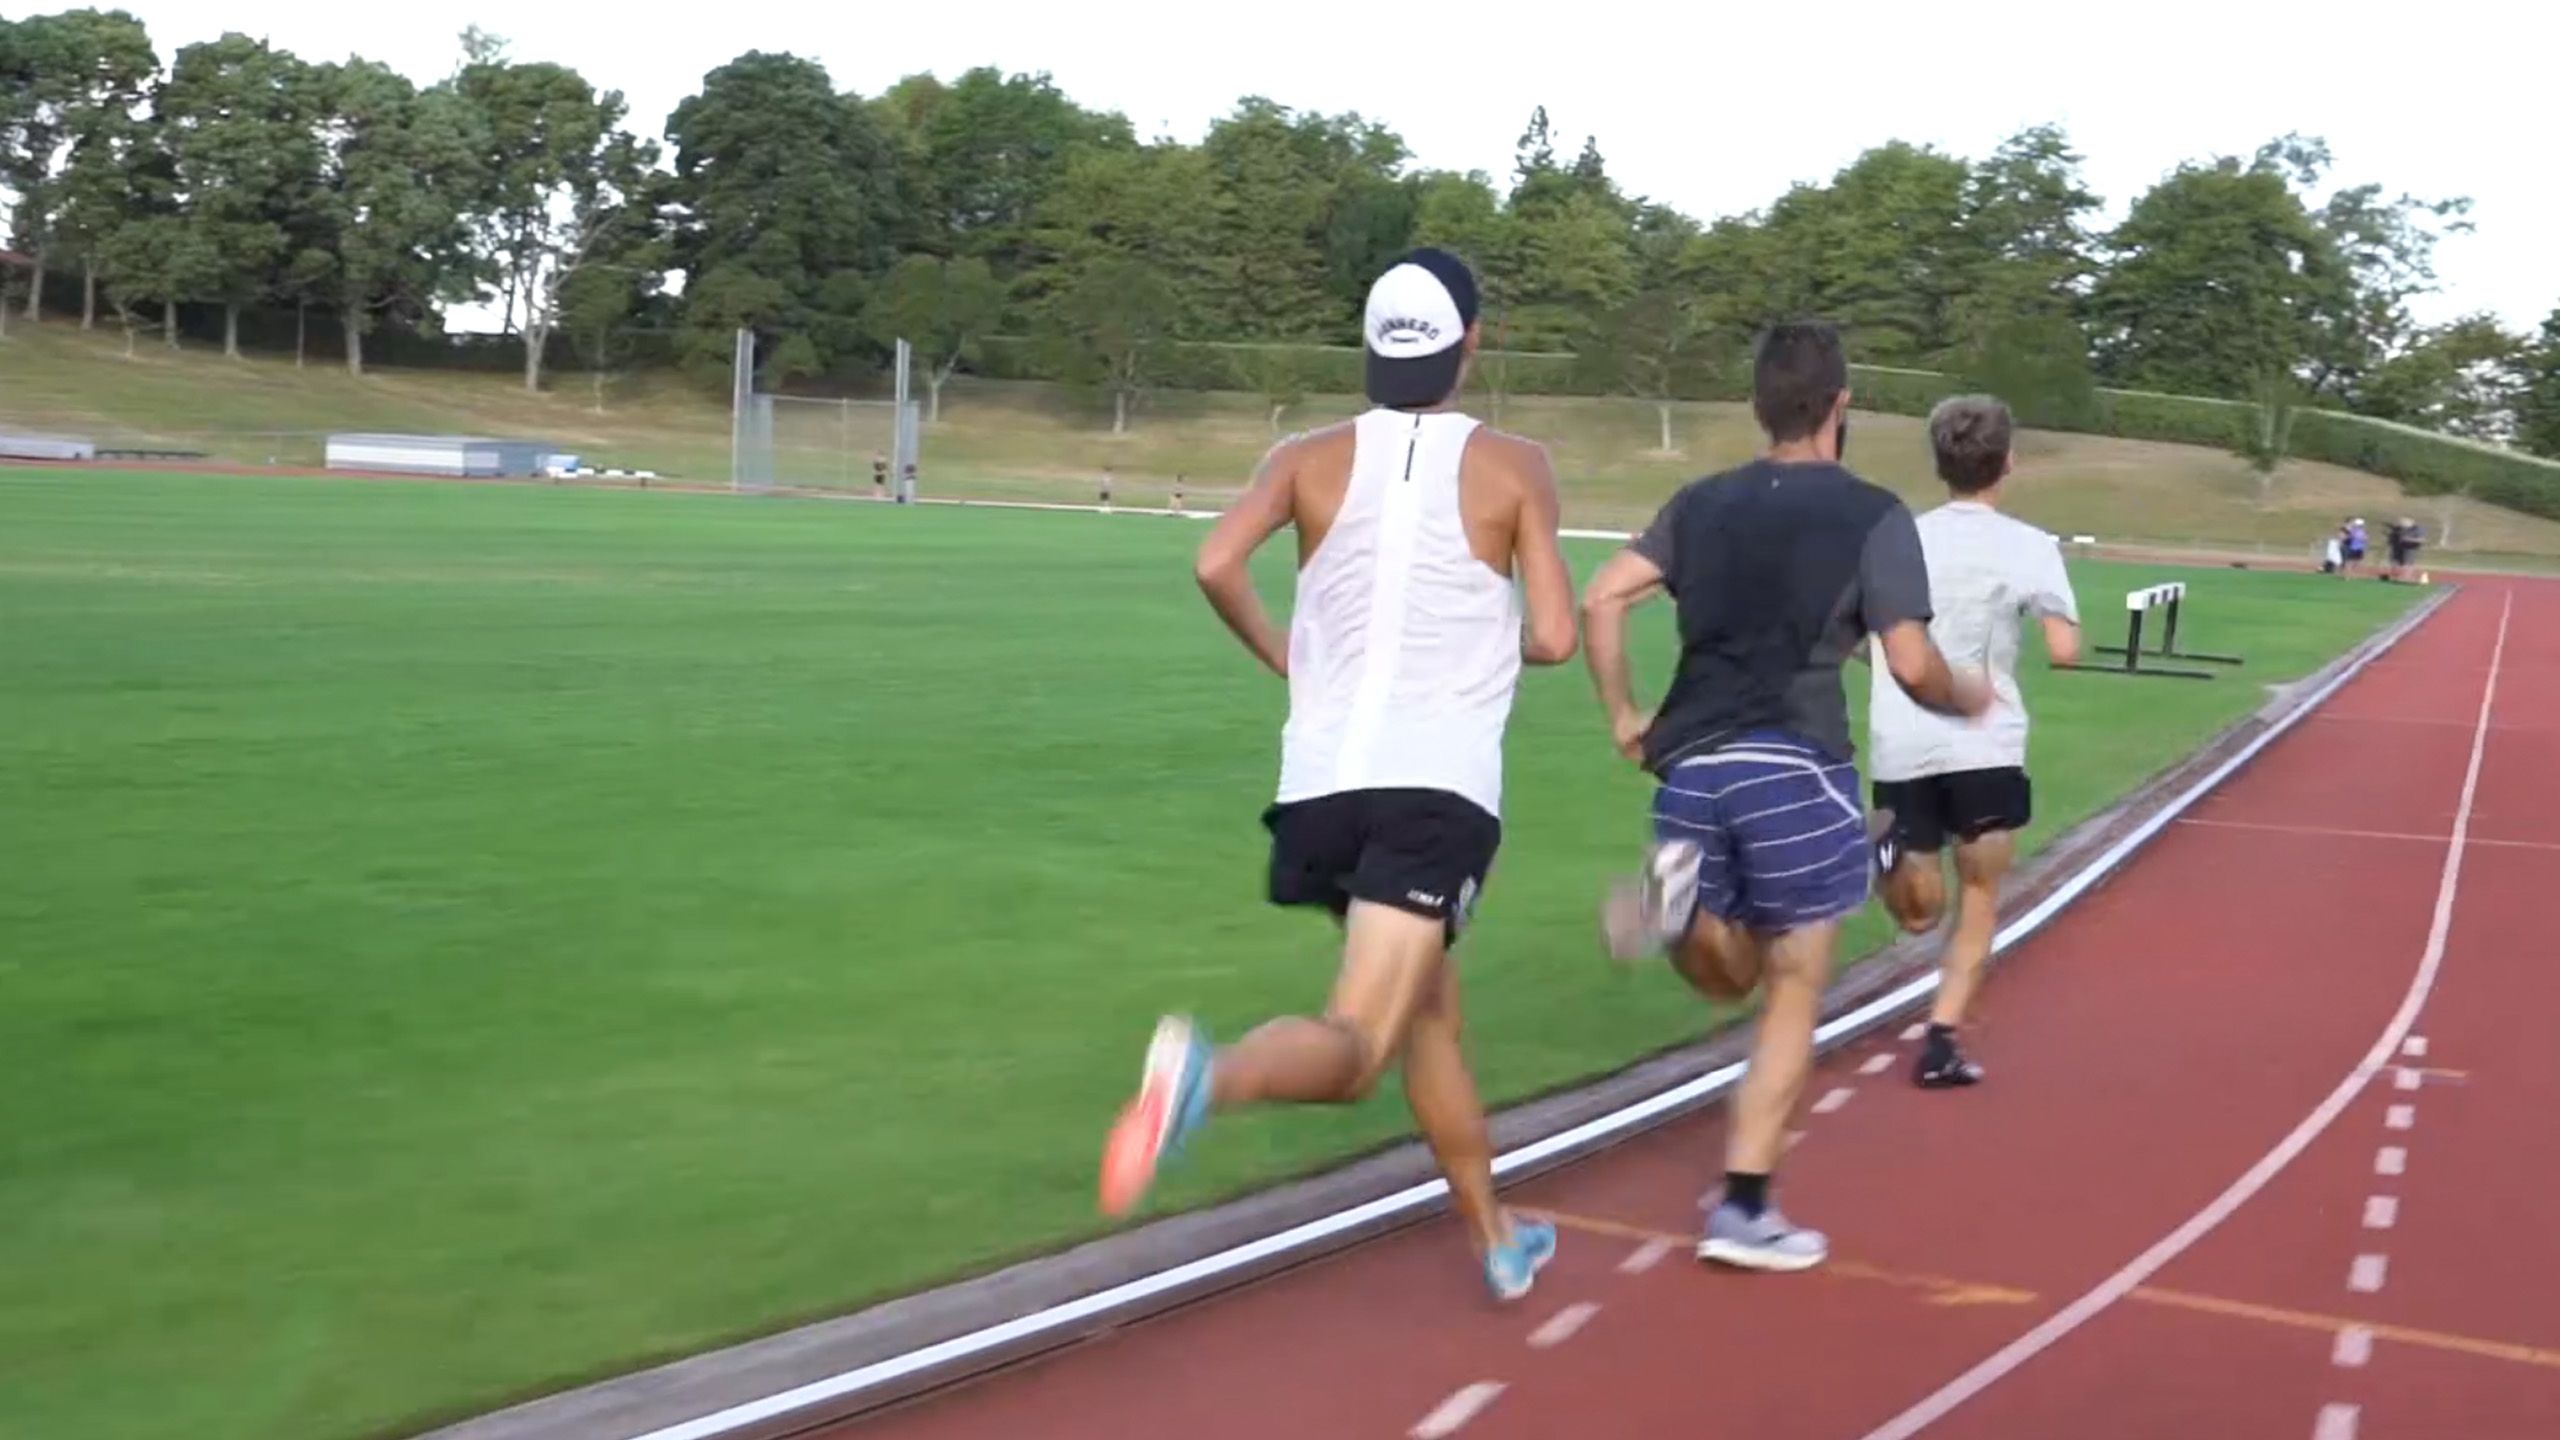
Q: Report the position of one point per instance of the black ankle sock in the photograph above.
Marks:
(1942, 1038)
(1747, 1193)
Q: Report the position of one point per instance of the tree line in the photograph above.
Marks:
(953, 212)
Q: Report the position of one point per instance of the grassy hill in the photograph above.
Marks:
(1032, 441)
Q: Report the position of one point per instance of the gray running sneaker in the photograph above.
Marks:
(1767, 1241)
(1644, 916)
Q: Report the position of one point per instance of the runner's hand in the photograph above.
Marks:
(1629, 730)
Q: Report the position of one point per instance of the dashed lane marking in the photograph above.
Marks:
(2390, 1160)
(1452, 1414)
(2354, 1347)
(1912, 1033)
(2415, 1047)
(1833, 1100)
(2367, 1272)
(2336, 1422)
(1560, 1326)
(2400, 1117)
(1876, 1064)
(2381, 1212)
(1647, 1255)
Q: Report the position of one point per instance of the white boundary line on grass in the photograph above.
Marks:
(1617, 1122)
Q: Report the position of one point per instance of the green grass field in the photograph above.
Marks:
(460, 940)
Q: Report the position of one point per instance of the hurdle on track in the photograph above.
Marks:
(2170, 600)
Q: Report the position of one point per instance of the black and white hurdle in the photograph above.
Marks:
(2168, 599)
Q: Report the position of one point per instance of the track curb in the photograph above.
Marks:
(746, 1391)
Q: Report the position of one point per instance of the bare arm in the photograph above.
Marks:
(1626, 581)
(1914, 661)
(1224, 566)
(1543, 575)
(2061, 640)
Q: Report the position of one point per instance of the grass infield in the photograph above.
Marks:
(461, 940)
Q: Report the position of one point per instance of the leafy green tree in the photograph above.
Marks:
(982, 155)
(399, 171)
(70, 121)
(235, 116)
(1112, 327)
(2463, 378)
(941, 307)
(2214, 279)
(2538, 392)
(1881, 250)
(788, 184)
(598, 302)
(1662, 340)
(566, 185)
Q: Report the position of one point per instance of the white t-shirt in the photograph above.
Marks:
(1987, 572)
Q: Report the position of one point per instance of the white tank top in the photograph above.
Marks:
(1404, 648)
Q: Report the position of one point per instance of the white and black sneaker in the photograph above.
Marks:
(1645, 915)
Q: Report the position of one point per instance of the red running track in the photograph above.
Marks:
(2267, 1150)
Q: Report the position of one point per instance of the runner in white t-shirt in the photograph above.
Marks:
(1937, 777)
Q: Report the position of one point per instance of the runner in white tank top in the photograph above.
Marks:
(1417, 528)
(1404, 647)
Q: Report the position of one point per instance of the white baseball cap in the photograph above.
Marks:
(1416, 328)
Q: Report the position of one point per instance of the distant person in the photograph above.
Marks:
(907, 484)
(879, 476)
(1177, 494)
(1106, 487)
(1938, 779)
(2355, 544)
(1779, 571)
(1404, 649)
(2405, 539)
(2333, 556)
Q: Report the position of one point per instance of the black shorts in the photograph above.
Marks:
(1426, 852)
(1967, 804)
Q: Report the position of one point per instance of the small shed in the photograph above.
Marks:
(465, 456)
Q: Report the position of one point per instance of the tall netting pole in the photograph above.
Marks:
(742, 381)
(902, 429)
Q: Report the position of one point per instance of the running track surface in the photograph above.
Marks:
(2348, 930)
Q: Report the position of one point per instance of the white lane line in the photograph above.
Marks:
(2390, 1160)
(2415, 1047)
(1876, 1065)
(2381, 1212)
(1833, 1100)
(1990, 1371)
(1912, 1033)
(1646, 1256)
(2404, 1078)
(1452, 1414)
(2336, 1422)
(1794, 1138)
(2366, 1275)
(2354, 1347)
(2399, 1117)
(1561, 1325)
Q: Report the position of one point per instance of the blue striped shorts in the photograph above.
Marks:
(1784, 842)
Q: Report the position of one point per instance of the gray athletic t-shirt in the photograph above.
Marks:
(1780, 572)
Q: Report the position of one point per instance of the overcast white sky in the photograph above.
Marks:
(1712, 108)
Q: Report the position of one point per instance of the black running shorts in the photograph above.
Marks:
(1967, 804)
(1426, 852)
